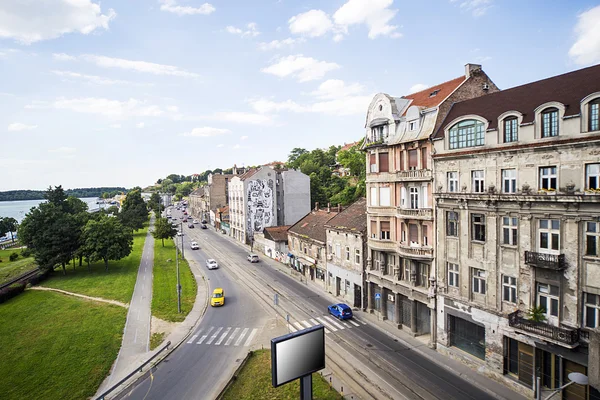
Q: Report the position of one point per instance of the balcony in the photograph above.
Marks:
(416, 213)
(565, 336)
(382, 245)
(416, 252)
(555, 262)
(414, 174)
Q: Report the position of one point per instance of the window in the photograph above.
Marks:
(466, 336)
(591, 312)
(384, 196)
(347, 253)
(373, 196)
(509, 180)
(509, 289)
(478, 227)
(509, 230)
(467, 134)
(384, 163)
(372, 163)
(452, 223)
(547, 297)
(478, 284)
(385, 230)
(357, 256)
(423, 275)
(548, 178)
(403, 232)
(453, 274)
(413, 160)
(412, 125)
(592, 239)
(338, 250)
(413, 233)
(550, 122)
(594, 115)
(424, 157)
(374, 229)
(407, 269)
(414, 198)
(549, 235)
(403, 196)
(478, 181)
(592, 176)
(329, 248)
(453, 182)
(510, 130)
(401, 161)
(425, 236)
(378, 133)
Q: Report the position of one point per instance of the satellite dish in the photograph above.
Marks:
(578, 378)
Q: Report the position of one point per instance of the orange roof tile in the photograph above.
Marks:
(426, 100)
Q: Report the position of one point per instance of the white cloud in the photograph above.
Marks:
(63, 57)
(206, 131)
(373, 13)
(417, 87)
(244, 138)
(237, 146)
(279, 44)
(97, 80)
(220, 145)
(477, 7)
(265, 106)
(251, 31)
(140, 125)
(240, 117)
(105, 107)
(31, 21)
(139, 66)
(303, 68)
(312, 23)
(17, 126)
(586, 49)
(336, 88)
(115, 126)
(172, 7)
(63, 150)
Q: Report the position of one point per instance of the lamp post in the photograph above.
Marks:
(178, 284)
(574, 377)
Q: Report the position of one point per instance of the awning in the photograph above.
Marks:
(290, 255)
(379, 121)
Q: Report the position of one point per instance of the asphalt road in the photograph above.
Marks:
(202, 365)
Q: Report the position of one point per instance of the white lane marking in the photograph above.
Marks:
(192, 339)
(214, 336)
(353, 323)
(250, 337)
(218, 342)
(325, 323)
(317, 323)
(205, 336)
(334, 322)
(297, 324)
(228, 342)
(306, 324)
(292, 328)
(237, 342)
(359, 320)
(135, 336)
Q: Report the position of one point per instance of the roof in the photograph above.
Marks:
(568, 89)
(353, 218)
(348, 146)
(247, 174)
(313, 225)
(277, 233)
(425, 99)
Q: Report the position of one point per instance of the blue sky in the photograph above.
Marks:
(120, 93)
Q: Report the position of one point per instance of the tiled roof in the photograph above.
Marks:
(248, 173)
(313, 225)
(353, 218)
(568, 89)
(349, 146)
(277, 233)
(425, 99)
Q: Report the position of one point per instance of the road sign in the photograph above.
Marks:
(377, 296)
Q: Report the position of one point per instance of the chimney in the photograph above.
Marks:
(339, 207)
(328, 207)
(470, 68)
(316, 206)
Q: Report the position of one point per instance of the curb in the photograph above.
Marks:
(235, 375)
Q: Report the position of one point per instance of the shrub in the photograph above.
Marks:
(26, 252)
(11, 291)
(39, 277)
(13, 256)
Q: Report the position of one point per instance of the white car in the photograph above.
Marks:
(211, 264)
(179, 233)
(252, 258)
(194, 245)
(196, 221)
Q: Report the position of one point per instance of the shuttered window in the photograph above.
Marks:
(384, 164)
(412, 159)
(413, 233)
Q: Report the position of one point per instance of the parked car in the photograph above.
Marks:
(195, 221)
(218, 297)
(203, 226)
(185, 220)
(168, 216)
(194, 245)
(191, 226)
(211, 264)
(204, 221)
(179, 233)
(252, 258)
(340, 311)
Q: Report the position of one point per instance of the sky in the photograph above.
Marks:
(121, 93)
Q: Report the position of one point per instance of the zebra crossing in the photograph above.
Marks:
(330, 323)
(216, 336)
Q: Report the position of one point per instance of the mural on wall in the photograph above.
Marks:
(260, 205)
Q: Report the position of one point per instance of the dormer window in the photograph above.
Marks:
(378, 133)
(434, 93)
(412, 126)
(467, 133)
(550, 122)
(594, 115)
(510, 129)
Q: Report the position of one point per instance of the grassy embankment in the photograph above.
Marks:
(10, 269)
(60, 347)
(254, 382)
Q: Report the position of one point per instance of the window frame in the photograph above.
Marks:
(549, 122)
(357, 256)
(592, 234)
(551, 232)
(548, 174)
(382, 232)
(452, 178)
(453, 274)
(478, 281)
(509, 182)
(509, 286)
(478, 228)
(549, 298)
(452, 224)
(511, 129)
(592, 174)
(594, 115)
(467, 133)
(595, 307)
(347, 253)
(414, 194)
(478, 181)
(510, 227)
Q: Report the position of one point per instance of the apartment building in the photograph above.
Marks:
(517, 194)
(400, 219)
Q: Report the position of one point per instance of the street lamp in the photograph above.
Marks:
(574, 377)
(178, 284)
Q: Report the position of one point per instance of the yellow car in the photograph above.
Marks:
(218, 297)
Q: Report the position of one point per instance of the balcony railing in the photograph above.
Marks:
(416, 212)
(382, 244)
(414, 173)
(563, 335)
(554, 262)
(415, 251)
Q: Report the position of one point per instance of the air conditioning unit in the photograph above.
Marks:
(391, 298)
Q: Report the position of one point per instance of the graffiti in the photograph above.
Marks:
(260, 205)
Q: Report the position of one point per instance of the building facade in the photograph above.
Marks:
(517, 192)
(346, 235)
(400, 218)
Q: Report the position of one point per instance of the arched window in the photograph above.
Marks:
(594, 115)
(466, 134)
(510, 129)
(550, 122)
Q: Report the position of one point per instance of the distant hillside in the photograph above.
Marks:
(14, 195)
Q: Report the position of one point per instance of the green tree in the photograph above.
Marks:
(294, 155)
(354, 160)
(8, 224)
(134, 211)
(106, 239)
(163, 229)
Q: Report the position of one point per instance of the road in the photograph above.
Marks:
(201, 366)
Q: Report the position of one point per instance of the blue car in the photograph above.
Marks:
(340, 311)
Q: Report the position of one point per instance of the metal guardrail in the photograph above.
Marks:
(543, 260)
(19, 278)
(139, 369)
(563, 335)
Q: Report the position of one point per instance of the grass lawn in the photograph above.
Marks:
(56, 346)
(10, 269)
(115, 284)
(164, 287)
(254, 382)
